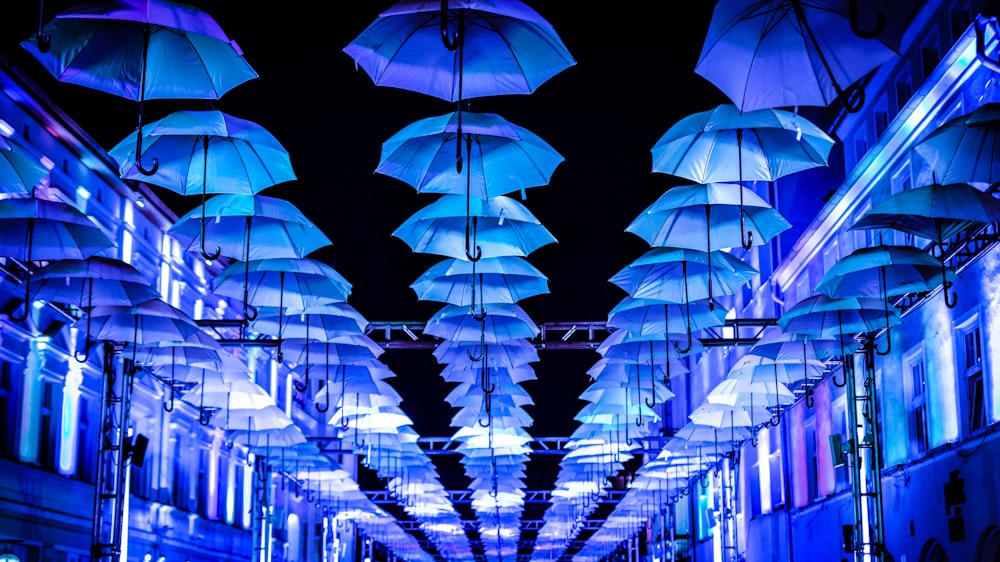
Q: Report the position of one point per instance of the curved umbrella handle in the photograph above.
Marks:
(652, 368)
(473, 356)
(142, 102)
(305, 384)
(27, 275)
(872, 33)
(950, 302)
(451, 41)
(43, 39)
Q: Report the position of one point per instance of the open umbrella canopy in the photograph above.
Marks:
(249, 227)
(707, 217)
(935, 212)
(206, 152)
(502, 322)
(791, 53)
(490, 49)
(621, 369)
(651, 317)
(509, 354)
(681, 275)
(93, 281)
(146, 323)
(502, 227)
(198, 350)
(19, 170)
(739, 392)
(883, 271)
(726, 145)
(500, 157)
(237, 393)
(104, 45)
(725, 415)
(965, 149)
(819, 316)
(645, 349)
(459, 373)
(283, 282)
(501, 279)
(38, 229)
(357, 349)
(321, 322)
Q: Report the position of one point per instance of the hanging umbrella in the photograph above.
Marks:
(143, 324)
(504, 322)
(169, 360)
(141, 50)
(249, 227)
(456, 372)
(883, 272)
(820, 316)
(502, 279)
(965, 149)
(727, 145)
(501, 157)
(790, 53)
(279, 437)
(708, 217)
(936, 212)
(320, 322)
(509, 354)
(91, 282)
(500, 226)
(37, 229)
(19, 170)
(736, 392)
(682, 275)
(644, 349)
(653, 318)
(282, 282)
(211, 152)
(489, 49)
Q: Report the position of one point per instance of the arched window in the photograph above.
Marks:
(988, 549)
(933, 552)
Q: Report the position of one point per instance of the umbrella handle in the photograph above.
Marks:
(168, 405)
(776, 417)
(872, 33)
(325, 408)
(43, 39)
(950, 302)
(451, 40)
(142, 102)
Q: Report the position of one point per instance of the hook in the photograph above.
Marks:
(142, 102)
(810, 398)
(85, 356)
(473, 356)
(946, 285)
(480, 316)
(834, 378)
(168, 406)
(469, 235)
(204, 193)
(451, 41)
(981, 25)
(43, 39)
(690, 342)
(310, 495)
(776, 418)
(885, 301)
(856, 26)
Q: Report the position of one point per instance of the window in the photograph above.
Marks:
(970, 369)
(929, 56)
(84, 449)
(881, 111)
(904, 88)
(839, 425)
(915, 380)
(960, 19)
(812, 466)
(48, 428)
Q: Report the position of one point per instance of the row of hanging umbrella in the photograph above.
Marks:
(473, 161)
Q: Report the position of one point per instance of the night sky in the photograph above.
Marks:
(634, 78)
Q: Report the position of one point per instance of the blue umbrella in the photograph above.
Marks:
(791, 53)
(249, 227)
(207, 152)
(37, 229)
(504, 322)
(491, 48)
(501, 157)
(502, 279)
(727, 145)
(139, 50)
(500, 227)
(19, 171)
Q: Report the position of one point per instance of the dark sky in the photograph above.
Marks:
(633, 79)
